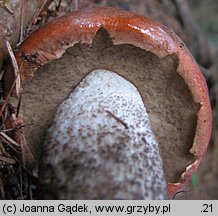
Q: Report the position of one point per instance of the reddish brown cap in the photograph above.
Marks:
(52, 40)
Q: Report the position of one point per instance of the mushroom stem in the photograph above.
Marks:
(101, 145)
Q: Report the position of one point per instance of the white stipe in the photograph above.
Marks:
(101, 144)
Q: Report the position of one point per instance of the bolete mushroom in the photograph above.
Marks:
(57, 57)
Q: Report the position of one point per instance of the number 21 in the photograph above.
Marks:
(207, 208)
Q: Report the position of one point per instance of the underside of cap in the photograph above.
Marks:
(170, 105)
(142, 51)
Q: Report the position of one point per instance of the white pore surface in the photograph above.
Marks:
(101, 144)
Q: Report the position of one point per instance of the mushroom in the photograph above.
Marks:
(57, 57)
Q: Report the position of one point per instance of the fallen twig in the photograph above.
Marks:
(37, 13)
(7, 160)
(16, 69)
(10, 142)
(6, 137)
